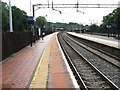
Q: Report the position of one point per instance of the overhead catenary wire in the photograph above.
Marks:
(55, 9)
(77, 5)
(54, 6)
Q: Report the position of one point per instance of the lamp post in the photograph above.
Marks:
(90, 26)
(109, 27)
(30, 7)
(10, 15)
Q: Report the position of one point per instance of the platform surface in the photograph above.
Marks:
(18, 69)
(52, 70)
(40, 66)
(100, 39)
(59, 76)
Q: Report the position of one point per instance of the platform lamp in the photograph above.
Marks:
(10, 16)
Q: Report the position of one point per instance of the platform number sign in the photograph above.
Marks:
(30, 20)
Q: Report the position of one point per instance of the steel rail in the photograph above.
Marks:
(75, 72)
(93, 66)
(79, 79)
(95, 53)
(100, 73)
(117, 58)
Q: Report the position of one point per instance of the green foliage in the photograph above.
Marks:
(103, 28)
(5, 17)
(19, 18)
(41, 21)
(49, 26)
(112, 21)
(94, 28)
(59, 25)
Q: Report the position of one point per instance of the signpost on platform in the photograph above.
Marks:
(10, 16)
(30, 22)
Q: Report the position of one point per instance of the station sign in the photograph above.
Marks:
(30, 20)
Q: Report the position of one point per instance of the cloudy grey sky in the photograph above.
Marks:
(92, 15)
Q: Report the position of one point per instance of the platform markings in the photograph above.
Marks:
(40, 77)
(68, 67)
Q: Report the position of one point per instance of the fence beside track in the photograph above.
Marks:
(14, 41)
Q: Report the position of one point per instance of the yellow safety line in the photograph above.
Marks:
(39, 66)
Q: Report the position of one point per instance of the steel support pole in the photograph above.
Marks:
(10, 14)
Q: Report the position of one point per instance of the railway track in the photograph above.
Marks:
(111, 59)
(87, 74)
(108, 50)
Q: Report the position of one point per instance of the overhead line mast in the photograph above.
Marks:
(10, 16)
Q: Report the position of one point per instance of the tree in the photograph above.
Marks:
(113, 20)
(49, 26)
(117, 20)
(103, 28)
(87, 27)
(94, 28)
(19, 19)
(5, 17)
(41, 21)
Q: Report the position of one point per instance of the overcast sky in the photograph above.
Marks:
(92, 15)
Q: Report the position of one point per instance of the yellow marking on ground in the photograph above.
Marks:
(41, 75)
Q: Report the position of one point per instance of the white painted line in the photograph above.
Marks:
(99, 40)
(68, 67)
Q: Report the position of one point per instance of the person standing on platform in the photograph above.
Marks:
(42, 31)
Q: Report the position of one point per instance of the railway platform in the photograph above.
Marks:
(99, 39)
(41, 66)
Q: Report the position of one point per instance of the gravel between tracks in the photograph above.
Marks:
(105, 67)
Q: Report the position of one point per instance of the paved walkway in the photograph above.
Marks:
(18, 70)
(100, 39)
(103, 37)
(52, 71)
(40, 66)
(41, 74)
(59, 77)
